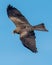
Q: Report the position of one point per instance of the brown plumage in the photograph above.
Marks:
(23, 27)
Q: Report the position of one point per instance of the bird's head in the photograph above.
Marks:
(15, 32)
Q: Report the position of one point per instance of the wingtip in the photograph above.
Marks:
(35, 51)
(46, 30)
(9, 7)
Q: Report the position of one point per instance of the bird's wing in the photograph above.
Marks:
(16, 16)
(29, 41)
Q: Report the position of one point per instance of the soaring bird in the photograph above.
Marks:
(24, 28)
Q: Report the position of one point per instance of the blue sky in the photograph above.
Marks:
(12, 52)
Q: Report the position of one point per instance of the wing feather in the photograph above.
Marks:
(16, 16)
(29, 41)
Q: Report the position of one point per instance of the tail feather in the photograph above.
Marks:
(40, 27)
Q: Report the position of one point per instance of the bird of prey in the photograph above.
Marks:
(24, 29)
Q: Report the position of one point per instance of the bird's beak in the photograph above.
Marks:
(13, 32)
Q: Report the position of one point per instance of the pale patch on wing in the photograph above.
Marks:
(23, 34)
(16, 21)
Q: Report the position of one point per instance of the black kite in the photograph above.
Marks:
(23, 27)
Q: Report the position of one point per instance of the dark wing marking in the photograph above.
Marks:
(29, 41)
(16, 16)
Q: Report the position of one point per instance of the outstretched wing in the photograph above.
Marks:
(16, 16)
(29, 41)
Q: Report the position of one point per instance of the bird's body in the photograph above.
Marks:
(23, 27)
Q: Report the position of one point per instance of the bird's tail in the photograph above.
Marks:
(40, 27)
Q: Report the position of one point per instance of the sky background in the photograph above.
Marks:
(12, 52)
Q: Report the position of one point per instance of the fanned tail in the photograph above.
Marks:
(40, 27)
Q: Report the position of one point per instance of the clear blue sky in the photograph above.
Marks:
(12, 52)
